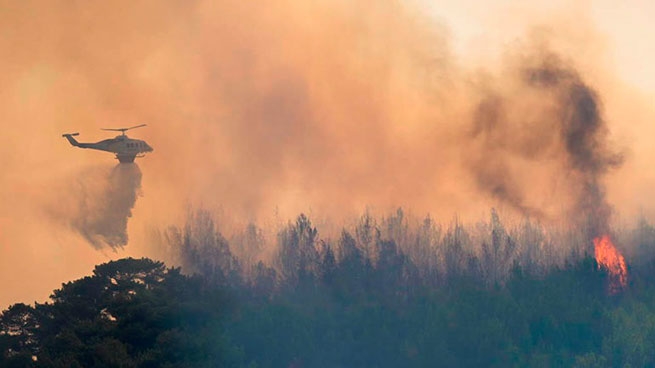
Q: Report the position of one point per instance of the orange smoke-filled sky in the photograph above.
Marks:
(327, 107)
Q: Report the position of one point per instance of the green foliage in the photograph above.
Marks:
(298, 258)
(130, 313)
(364, 300)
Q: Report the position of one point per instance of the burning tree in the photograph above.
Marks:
(610, 258)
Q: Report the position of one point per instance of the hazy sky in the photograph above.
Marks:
(326, 107)
(626, 29)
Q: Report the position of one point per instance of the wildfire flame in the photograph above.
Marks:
(609, 257)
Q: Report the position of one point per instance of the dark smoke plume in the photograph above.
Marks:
(105, 204)
(492, 168)
(584, 134)
(561, 123)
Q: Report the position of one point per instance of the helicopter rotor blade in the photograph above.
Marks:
(123, 129)
(136, 126)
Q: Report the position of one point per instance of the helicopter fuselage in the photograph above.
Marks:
(125, 148)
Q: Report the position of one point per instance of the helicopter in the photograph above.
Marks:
(125, 148)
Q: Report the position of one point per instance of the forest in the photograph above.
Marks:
(385, 292)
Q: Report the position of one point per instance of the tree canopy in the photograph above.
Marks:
(380, 296)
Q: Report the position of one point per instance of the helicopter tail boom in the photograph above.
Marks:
(72, 140)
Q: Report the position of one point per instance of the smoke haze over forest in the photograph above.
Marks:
(327, 107)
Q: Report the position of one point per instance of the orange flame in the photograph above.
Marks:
(609, 257)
